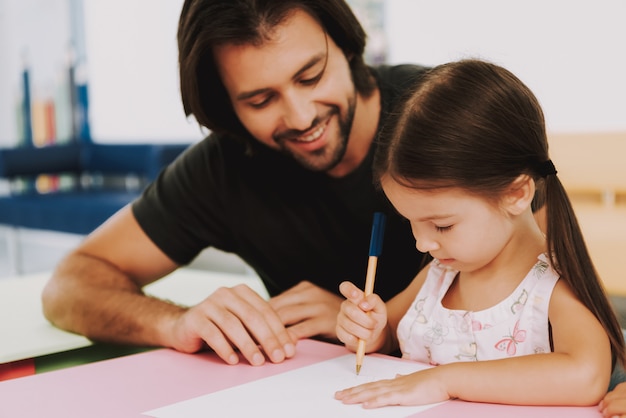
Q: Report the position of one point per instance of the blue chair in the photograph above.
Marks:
(108, 177)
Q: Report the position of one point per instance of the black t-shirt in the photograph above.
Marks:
(288, 223)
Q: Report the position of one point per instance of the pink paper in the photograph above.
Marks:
(127, 386)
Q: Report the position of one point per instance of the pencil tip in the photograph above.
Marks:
(358, 369)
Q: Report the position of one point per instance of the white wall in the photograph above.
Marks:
(132, 66)
(133, 71)
(571, 53)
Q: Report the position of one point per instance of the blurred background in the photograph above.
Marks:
(570, 52)
(122, 53)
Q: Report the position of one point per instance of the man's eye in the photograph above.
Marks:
(261, 104)
(312, 81)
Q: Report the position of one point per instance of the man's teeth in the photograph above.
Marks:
(312, 136)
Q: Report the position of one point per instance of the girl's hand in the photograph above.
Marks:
(419, 388)
(361, 318)
(614, 403)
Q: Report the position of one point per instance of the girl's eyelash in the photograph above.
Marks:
(443, 228)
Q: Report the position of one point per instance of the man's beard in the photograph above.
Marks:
(327, 158)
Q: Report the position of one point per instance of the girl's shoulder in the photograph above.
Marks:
(438, 278)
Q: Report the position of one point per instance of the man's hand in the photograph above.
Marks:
(230, 319)
(308, 311)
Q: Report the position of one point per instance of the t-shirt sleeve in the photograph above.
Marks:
(183, 210)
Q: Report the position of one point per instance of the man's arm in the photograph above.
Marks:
(96, 291)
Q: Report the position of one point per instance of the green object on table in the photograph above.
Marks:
(90, 354)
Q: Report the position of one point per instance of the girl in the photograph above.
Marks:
(505, 313)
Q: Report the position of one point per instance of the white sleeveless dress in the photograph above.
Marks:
(518, 325)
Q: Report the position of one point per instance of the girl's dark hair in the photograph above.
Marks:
(204, 24)
(474, 125)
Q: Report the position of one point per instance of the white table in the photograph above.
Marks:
(26, 333)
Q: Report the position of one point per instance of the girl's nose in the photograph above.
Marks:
(424, 244)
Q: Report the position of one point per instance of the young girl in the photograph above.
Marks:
(505, 313)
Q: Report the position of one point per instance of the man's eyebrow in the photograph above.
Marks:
(310, 63)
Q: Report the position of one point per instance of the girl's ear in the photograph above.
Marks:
(520, 194)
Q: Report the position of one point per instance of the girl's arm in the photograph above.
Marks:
(576, 373)
(398, 306)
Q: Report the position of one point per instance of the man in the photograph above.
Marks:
(284, 181)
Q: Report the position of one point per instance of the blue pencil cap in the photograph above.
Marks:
(378, 232)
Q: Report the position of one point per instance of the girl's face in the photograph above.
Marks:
(461, 230)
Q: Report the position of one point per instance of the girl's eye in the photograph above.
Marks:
(443, 228)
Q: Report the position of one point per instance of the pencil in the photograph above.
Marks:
(376, 246)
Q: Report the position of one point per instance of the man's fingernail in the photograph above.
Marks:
(290, 350)
(258, 359)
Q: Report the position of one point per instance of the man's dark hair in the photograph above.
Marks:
(205, 24)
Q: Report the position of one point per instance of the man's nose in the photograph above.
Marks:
(299, 112)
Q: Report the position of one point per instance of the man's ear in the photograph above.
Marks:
(520, 194)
